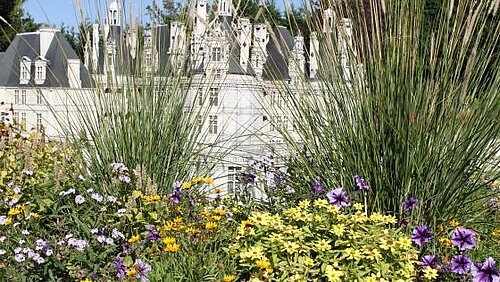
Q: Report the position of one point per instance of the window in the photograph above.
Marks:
(23, 117)
(23, 96)
(147, 59)
(232, 178)
(40, 70)
(39, 99)
(216, 53)
(214, 97)
(212, 124)
(16, 117)
(24, 70)
(39, 122)
(16, 96)
(200, 96)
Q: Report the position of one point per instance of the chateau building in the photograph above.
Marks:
(232, 66)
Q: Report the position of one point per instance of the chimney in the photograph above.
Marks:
(313, 54)
(244, 40)
(74, 73)
(328, 21)
(95, 47)
(259, 48)
(296, 62)
(46, 37)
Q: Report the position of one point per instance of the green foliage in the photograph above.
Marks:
(315, 240)
(413, 118)
(15, 21)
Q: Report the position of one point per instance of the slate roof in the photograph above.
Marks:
(28, 45)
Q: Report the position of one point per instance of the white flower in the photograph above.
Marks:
(25, 232)
(2, 239)
(40, 260)
(111, 199)
(90, 190)
(101, 238)
(48, 252)
(3, 219)
(109, 241)
(96, 197)
(2, 252)
(21, 242)
(121, 212)
(16, 190)
(17, 250)
(16, 224)
(117, 234)
(79, 199)
(19, 258)
(69, 235)
(94, 230)
(103, 209)
(81, 177)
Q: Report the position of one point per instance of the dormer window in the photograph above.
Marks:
(25, 70)
(40, 71)
(216, 53)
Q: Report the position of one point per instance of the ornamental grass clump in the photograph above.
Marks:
(323, 240)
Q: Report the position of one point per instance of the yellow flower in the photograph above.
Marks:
(14, 211)
(218, 190)
(332, 274)
(246, 223)
(304, 204)
(210, 225)
(445, 242)
(352, 254)
(86, 280)
(338, 229)
(358, 206)
(430, 273)
(191, 230)
(209, 180)
(134, 239)
(323, 245)
(228, 278)
(172, 248)
(177, 220)
(495, 233)
(441, 227)
(169, 226)
(8, 221)
(256, 252)
(321, 203)
(216, 218)
(168, 240)
(152, 198)
(404, 242)
(454, 223)
(308, 261)
(197, 180)
(35, 215)
(131, 271)
(290, 247)
(263, 264)
(219, 211)
(186, 185)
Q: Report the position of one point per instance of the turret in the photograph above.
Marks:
(244, 41)
(313, 55)
(114, 14)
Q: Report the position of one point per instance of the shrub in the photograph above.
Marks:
(316, 240)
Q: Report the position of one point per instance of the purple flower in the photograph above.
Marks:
(247, 178)
(460, 264)
(421, 235)
(317, 188)
(153, 236)
(19, 257)
(486, 272)
(463, 239)
(361, 183)
(79, 199)
(126, 249)
(120, 267)
(410, 204)
(429, 261)
(96, 197)
(290, 190)
(338, 197)
(124, 178)
(142, 270)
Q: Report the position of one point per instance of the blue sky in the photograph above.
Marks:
(56, 12)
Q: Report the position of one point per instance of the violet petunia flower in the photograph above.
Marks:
(486, 272)
(317, 188)
(421, 235)
(153, 236)
(429, 261)
(120, 267)
(142, 270)
(410, 204)
(463, 239)
(338, 197)
(361, 183)
(126, 249)
(460, 264)
(247, 178)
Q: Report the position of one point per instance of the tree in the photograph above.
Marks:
(15, 20)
